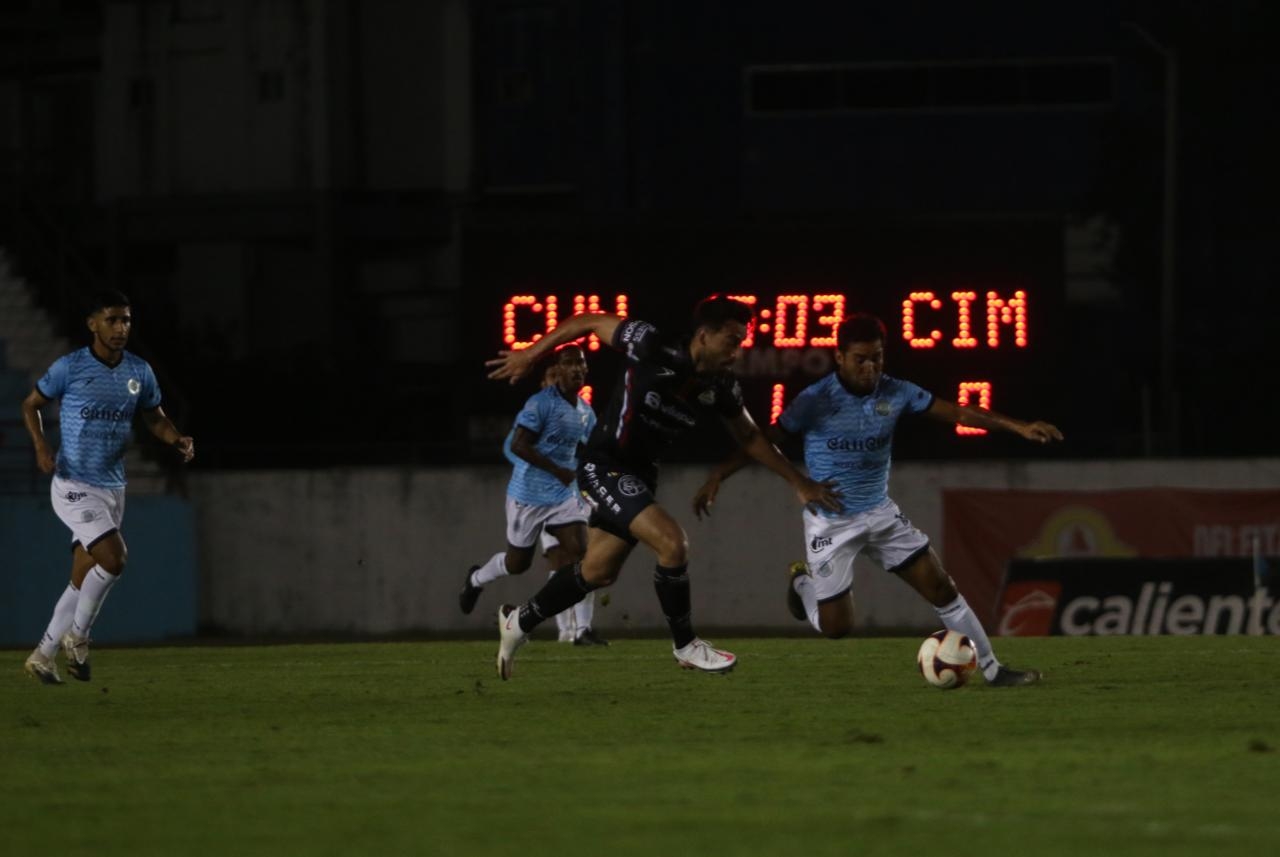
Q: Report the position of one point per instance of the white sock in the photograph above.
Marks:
(63, 614)
(803, 585)
(97, 583)
(584, 611)
(493, 569)
(957, 616)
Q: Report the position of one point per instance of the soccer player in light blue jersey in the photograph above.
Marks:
(100, 387)
(543, 504)
(847, 421)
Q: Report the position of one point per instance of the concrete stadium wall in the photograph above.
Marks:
(383, 551)
(155, 600)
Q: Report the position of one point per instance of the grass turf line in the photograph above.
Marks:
(811, 747)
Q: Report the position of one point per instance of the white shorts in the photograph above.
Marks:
(88, 511)
(525, 521)
(831, 544)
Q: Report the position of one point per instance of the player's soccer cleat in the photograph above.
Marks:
(510, 638)
(1006, 677)
(701, 655)
(794, 604)
(77, 651)
(566, 637)
(469, 595)
(42, 668)
(588, 637)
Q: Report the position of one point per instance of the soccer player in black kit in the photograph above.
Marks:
(667, 387)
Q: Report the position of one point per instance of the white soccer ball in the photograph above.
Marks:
(946, 659)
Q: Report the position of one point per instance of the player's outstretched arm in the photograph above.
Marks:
(949, 412)
(514, 365)
(31, 418)
(705, 497)
(159, 424)
(755, 444)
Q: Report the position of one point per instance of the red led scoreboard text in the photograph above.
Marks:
(961, 321)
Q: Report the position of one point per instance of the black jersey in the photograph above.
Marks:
(659, 399)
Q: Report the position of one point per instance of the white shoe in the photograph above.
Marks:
(701, 655)
(567, 637)
(510, 638)
(77, 651)
(42, 668)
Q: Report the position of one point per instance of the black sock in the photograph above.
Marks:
(564, 589)
(672, 586)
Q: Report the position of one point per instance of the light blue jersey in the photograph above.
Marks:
(560, 427)
(848, 437)
(96, 412)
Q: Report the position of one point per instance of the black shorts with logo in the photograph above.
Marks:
(616, 496)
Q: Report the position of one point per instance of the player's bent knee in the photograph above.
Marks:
(674, 552)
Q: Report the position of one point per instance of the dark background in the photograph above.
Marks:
(318, 207)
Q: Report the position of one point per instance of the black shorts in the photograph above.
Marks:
(616, 497)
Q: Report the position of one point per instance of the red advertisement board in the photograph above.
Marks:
(983, 530)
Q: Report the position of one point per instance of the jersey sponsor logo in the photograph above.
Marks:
(135, 386)
(630, 486)
(90, 412)
(819, 544)
(653, 401)
(883, 408)
(859, 444)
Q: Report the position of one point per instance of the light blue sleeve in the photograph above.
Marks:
(150, 395)
(915, 399)
(533, 415)
(590, 426)
(54, 383)
(799, 416)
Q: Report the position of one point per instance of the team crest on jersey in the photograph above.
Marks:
(630, 486)
(883, 408)
(707, 397)
(135, 386)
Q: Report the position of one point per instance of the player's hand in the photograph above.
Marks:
(186, 448)
(1040, 432)
(706, 498)
(44, 459)
(510, 365)
(824, 494)
(565, 475)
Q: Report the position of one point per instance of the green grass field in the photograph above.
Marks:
(1153, 746)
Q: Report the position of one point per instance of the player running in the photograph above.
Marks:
(542, 501)
(100, 388)
(667, 386)
(847, 420)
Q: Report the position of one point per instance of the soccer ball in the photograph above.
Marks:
(946, 659)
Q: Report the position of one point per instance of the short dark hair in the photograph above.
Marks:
(568, 346)
(105, 298)
(860, 327)
(715, 311)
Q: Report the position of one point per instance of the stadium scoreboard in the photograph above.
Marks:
(975, 317)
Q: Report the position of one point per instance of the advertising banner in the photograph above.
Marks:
(984, 530)
(1102, 597)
